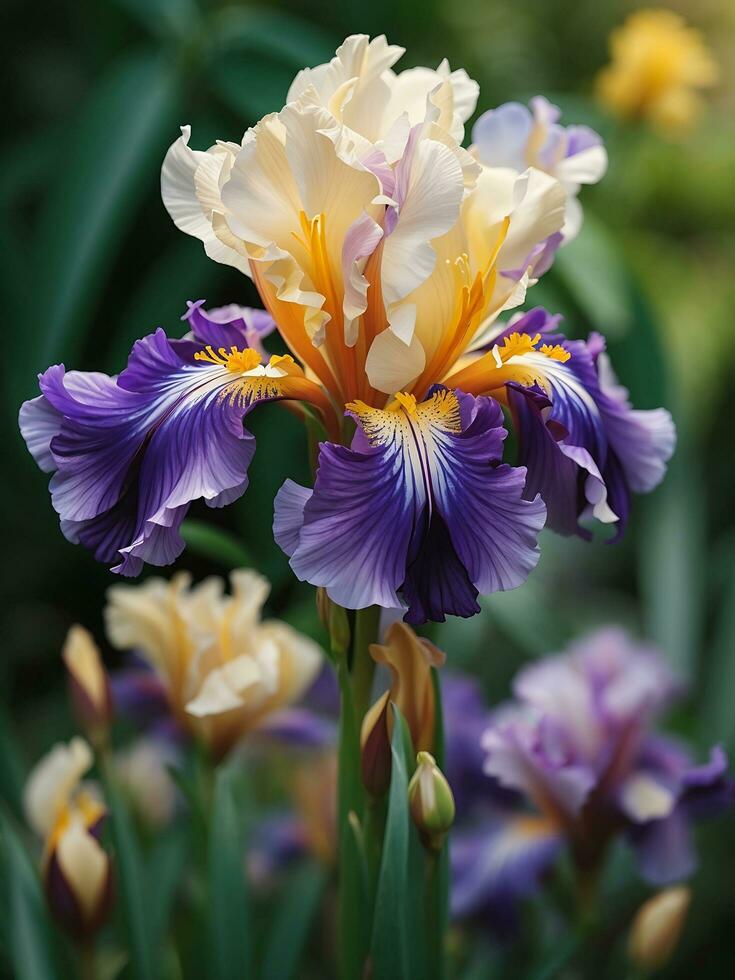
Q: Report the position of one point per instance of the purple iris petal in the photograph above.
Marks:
(584, 447)
(495, 865)
(420, 504)
(466, 717)
(299, 726)
(130, 454)
(139, 694)
(501, 136)
(225, 326)
(577, 744)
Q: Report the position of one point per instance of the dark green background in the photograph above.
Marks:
(94, 93)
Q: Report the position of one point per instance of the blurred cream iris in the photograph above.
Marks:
(223, 668)
(658, 67)
(66, 814)
(381, 247)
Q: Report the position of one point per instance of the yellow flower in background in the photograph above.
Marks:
(658, 66)
(224, 669)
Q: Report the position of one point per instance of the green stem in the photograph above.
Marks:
(436, 900)
(87, 960)
(355, 690)
(363, 666)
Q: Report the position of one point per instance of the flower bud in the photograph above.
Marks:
(410, 658)
(334, 619)
(431, 801)
(657, 927)
(375, 761)
(77, 873)
(89, 685)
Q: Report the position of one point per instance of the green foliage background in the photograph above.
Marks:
(94, 93)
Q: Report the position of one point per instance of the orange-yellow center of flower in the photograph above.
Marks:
(235, 360)
(523, 343)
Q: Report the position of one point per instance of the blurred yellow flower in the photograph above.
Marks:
(658, 65)
(224, 669)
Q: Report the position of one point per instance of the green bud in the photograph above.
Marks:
(431, 801)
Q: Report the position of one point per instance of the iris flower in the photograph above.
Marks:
(384, 252)
(579, 763)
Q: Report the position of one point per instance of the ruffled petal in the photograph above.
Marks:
(495, 865)
(130, 454)
(418, 505)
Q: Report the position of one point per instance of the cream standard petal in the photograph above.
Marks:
(85, 866)
(82, 658)
(190, 192)
(392, 365)
(430, 188)
(52, 782)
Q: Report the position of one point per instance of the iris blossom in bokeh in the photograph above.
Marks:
(224, 671)
(384, 252)
(573, 761)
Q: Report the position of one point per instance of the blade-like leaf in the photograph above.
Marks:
(28, 933)
(717, 713)
(592, 270)
(392, 919)
(673, 560)
(113, 160)
(165, 865)
(293, 920)
(229, 915)
(214, 543)
(352, 888)
(165, 18)
(130, 883)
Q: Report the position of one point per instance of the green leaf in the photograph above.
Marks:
(229, 914)
(164, 867)
(593, 271)
(11, 766)
(292, 923)
(130, 882)
(673, 560)
(256, 55)
(29, 941)
(717, 710)
(391, 954)
(352, 872)
(113, 160)
(282, 36)
(181, 272)
(165, 18)
(212, 542)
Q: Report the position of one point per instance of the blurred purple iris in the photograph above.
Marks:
(576, 753)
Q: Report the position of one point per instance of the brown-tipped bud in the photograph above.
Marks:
(78, 878)
(89, 685)
(410, 659)
(431, 801)
(334, 620)
(375, 738)
(657, 927)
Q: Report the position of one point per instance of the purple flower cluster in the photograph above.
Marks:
(573, 761)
